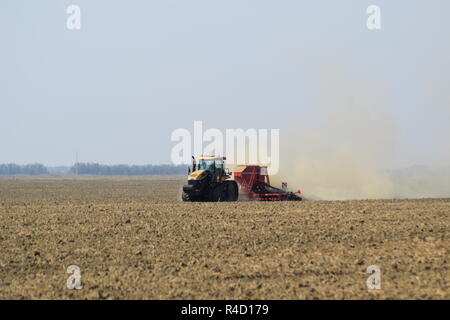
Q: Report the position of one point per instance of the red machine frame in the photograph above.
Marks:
(254, 184)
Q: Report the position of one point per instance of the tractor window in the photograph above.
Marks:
(219, 167)
(206, 165)
(219, 164)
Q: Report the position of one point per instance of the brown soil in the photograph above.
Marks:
(133, 239)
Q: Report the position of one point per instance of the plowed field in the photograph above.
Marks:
(133, 239)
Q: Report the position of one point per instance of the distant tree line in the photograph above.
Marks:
(92, 168)
(123, 169)
(29, 169)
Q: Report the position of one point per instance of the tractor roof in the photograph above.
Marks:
(210, 158)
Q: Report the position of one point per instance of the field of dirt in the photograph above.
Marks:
(133, 239)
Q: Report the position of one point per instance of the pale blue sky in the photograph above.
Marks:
(116, 89)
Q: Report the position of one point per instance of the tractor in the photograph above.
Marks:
(209, 181)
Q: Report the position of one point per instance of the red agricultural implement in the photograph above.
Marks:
(254, 183)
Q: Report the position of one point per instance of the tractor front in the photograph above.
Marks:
(209, 181)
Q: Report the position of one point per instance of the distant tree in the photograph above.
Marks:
(29, 169)
(122, 169)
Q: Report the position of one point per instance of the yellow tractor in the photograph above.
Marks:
(209, 181)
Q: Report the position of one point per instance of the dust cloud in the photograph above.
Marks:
(348, 146)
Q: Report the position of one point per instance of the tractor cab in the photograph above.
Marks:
(208, 165)
(209, 181)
